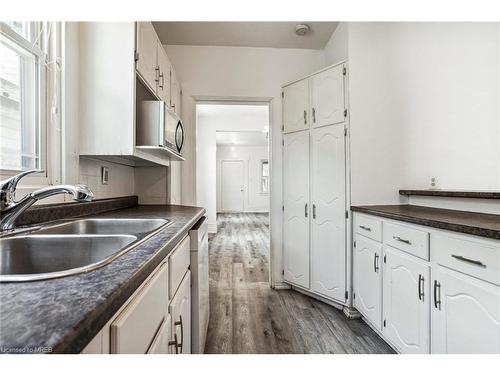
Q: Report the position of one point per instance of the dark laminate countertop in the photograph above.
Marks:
(66, 313)
(484, 225)
(479, 194)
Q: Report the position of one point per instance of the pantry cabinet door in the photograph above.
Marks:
(296, 106)
(163, 74)
(296, 208)
(406, 302)
(465, 314)
(328, 222)
(367, 280)
(146, 48)
(327, 97)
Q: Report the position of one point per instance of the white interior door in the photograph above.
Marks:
(406, 302)
(233, 185)
(328, 199)
(368, 279)
(327, 97)
(296, 106)
(465, 314)
(296, 212)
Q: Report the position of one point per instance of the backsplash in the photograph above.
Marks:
(121, 178)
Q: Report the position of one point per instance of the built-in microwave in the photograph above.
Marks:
(158, 125)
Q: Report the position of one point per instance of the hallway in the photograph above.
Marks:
(247, 316)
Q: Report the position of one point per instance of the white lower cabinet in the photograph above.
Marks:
(406, 300)
(368, 279)
(465, 314)
(180, 310)
(161, 343)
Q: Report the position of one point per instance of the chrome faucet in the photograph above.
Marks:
(10, 209)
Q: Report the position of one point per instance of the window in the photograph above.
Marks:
(264, 164)
(22, 97)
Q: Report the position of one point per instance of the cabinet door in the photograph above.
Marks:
(367, 279)
(296, 213)
(180, 310)
(162, 342)
(328, 224)
(327, 97)
(465, 314)
(296, 106)
(406, 302)
(146, 50)
(163, 74)
(175, 93)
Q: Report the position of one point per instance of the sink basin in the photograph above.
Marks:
(106, 226)
(36, 257)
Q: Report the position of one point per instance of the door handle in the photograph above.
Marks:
(162, 76)
(420, 287)
(305, 117)
(179, 322)
(174, 343)
(157, 74)
(306, 210)
(314, 114)
(314, 211)
(437, 297)
(375, 263)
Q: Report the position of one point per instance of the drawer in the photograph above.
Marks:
(368, 226)
(178, 264)
(160, 344)
(474, 258)
(406, 238)
(135, 328)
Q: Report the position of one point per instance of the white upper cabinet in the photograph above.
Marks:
(367, 279)
(296, 212)
(146, 53)
(296, 106)
(406, 302)
(465, 314)
(163, 67)
(175, 92)
(328, 224)
(327, 97)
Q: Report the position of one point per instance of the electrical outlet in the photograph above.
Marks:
(433, 183)
(104, 175)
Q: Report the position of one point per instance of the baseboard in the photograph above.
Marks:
(351, 312)
(281, 286)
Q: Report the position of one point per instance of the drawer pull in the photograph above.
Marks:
(365, 228)
(397, 238)
(467, 260)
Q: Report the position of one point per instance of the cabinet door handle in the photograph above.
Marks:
(162, 76)
(314, 114)
(397, 238)
(305, 117)
(179, 322)
(365, 228)
(467, 260)
(157, 74)
(314, 211)
(174, 343)
(306, 210)
(420, 287)
(437, 297)
(375, 263)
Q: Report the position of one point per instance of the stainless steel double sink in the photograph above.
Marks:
(71, 247)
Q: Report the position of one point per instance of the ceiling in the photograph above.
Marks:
(245, 34)
(242, 138)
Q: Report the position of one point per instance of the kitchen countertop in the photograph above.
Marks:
(63, 315)
(478, 224)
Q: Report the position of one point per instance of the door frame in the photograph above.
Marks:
(245, 100)
(245, 182)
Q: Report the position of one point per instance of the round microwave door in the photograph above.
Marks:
(179, 136)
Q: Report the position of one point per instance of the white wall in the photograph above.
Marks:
(424, 102)
(240, 72)
(252, 156)
(210, 120)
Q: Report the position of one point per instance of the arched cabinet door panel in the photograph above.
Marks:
(296, 106)
(327, 97)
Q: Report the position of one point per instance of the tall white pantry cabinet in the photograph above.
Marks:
(314, 183)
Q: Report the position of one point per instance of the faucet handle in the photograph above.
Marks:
(8, 187)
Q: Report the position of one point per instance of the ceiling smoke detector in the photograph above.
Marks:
(302, 29)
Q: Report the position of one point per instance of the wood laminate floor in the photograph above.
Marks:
(247, 316)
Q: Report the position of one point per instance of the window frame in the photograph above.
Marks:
(39, 48)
